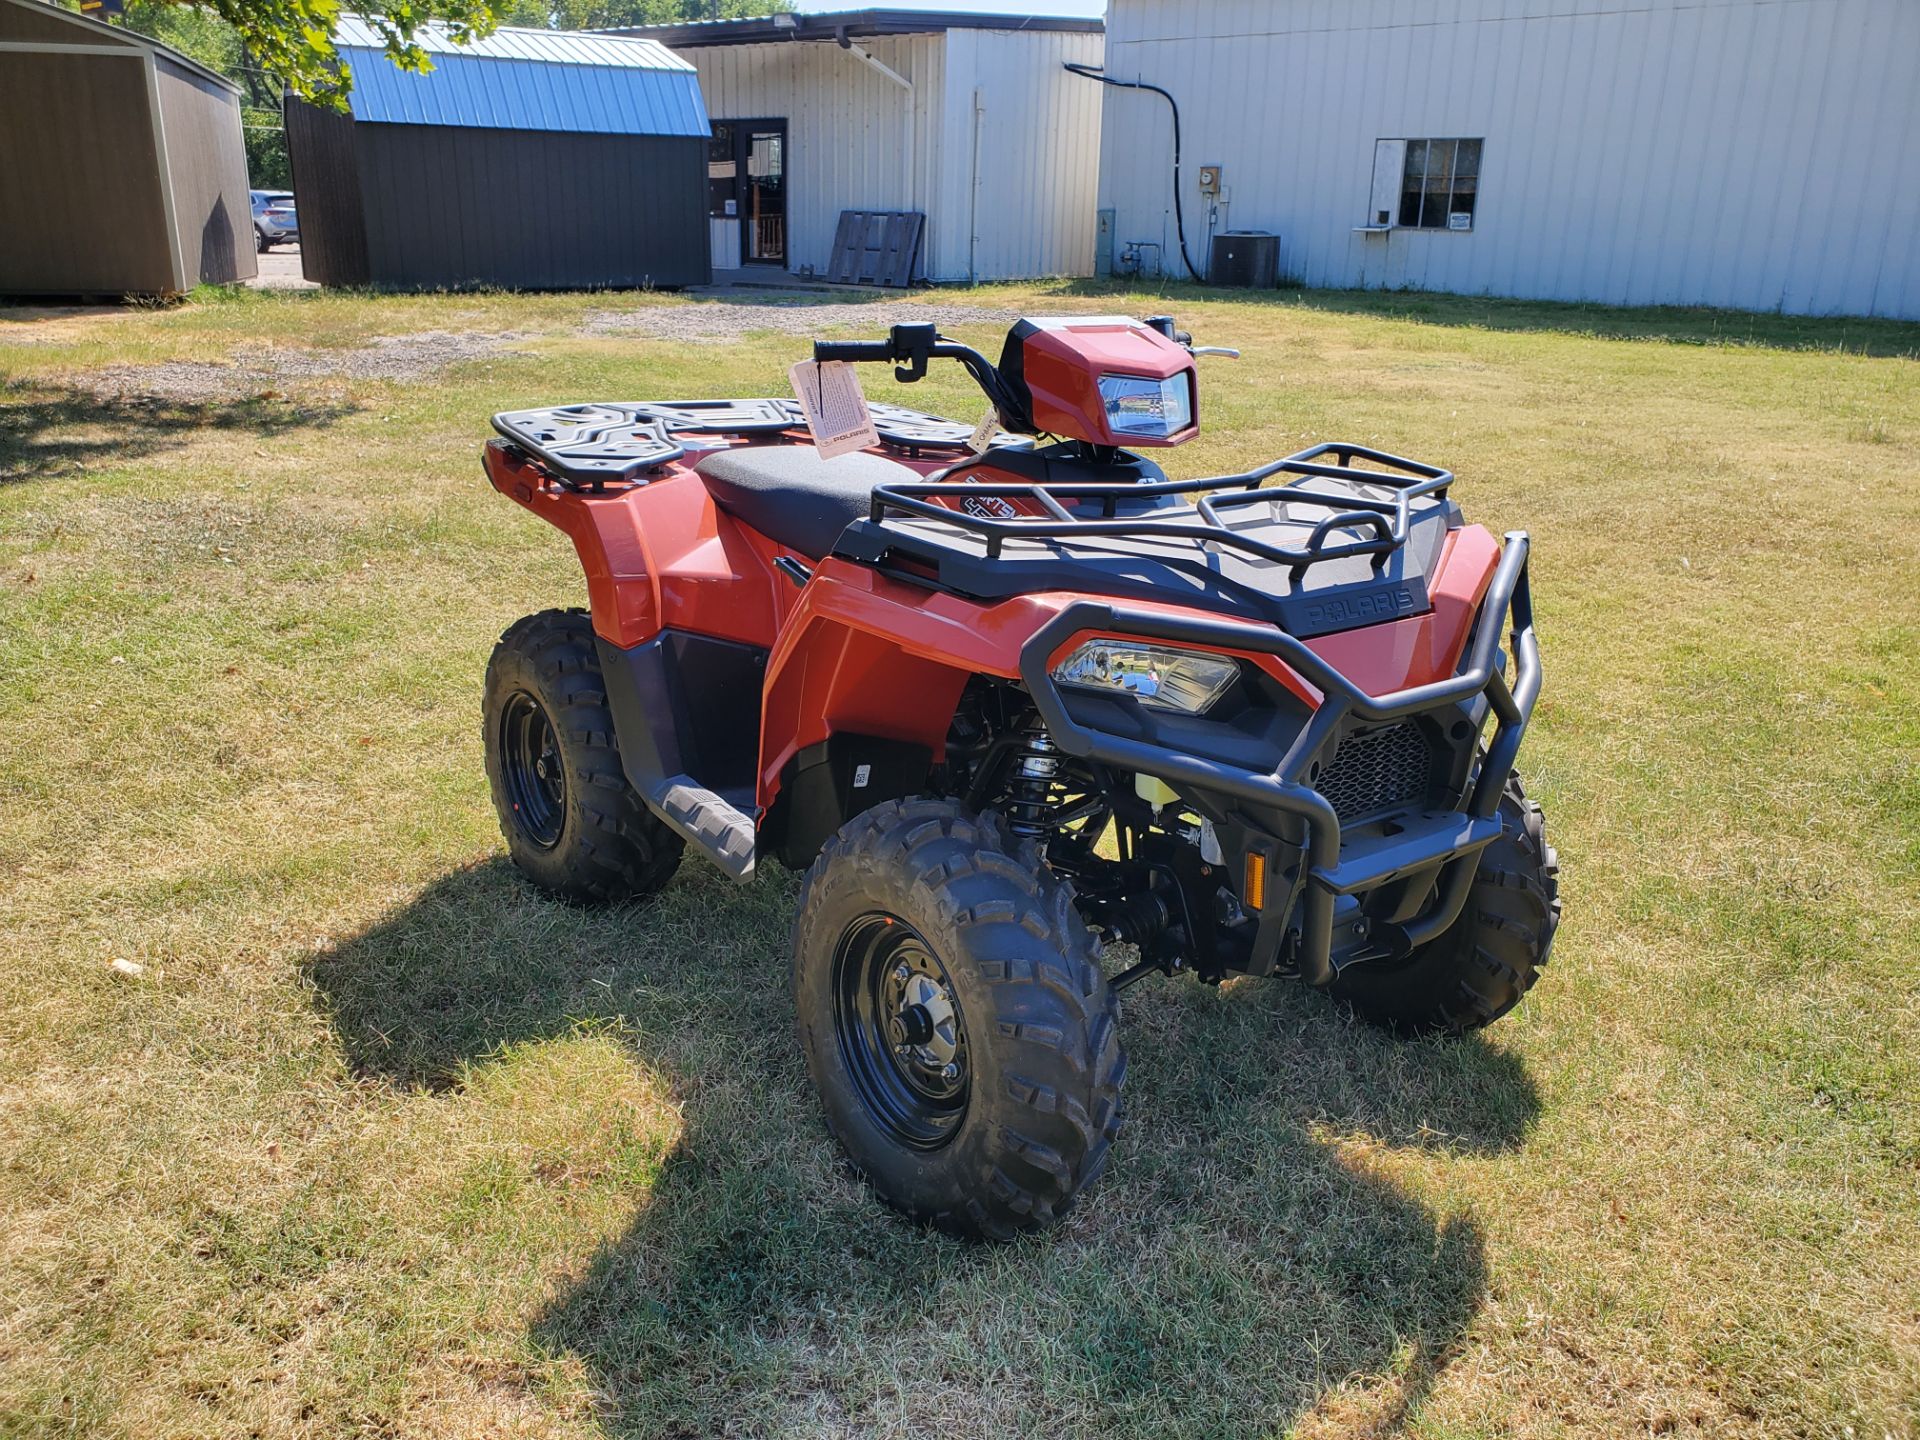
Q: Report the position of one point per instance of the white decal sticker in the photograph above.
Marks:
(982, 438)
(836, 411)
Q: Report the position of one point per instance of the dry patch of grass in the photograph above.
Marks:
(377, 1140)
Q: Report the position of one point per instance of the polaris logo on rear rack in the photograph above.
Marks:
(1353, 608)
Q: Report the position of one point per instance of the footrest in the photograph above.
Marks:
(706, 820)
(1421, 840)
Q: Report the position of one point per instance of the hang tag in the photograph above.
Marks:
(836, 411)
(983, 435)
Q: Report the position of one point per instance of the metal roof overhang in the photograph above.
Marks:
(847, 25)
(518, 79)
(526, 95)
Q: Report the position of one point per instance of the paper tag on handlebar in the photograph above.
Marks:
(983, 434)
(836, 411)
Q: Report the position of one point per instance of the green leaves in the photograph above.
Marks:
(293, 39)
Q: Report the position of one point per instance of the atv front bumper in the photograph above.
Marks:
(1337, 869)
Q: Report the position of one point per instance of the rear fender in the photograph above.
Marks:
(622, 579)
(657, 556)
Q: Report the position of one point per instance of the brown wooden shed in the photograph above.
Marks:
(123, 169)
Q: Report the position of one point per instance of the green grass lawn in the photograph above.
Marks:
(381, 1142)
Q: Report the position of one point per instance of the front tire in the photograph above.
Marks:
(1490, 956)
(573, 824)
(955, 1020)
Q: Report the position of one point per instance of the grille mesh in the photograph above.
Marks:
(1376, 770)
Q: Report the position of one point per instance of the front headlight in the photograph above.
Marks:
(1153, 408)
(1184, 681)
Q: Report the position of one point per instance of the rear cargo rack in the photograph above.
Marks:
(1202, 520)
(587, 447)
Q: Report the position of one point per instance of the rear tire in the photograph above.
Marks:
(261, 245)
(1490, 957)
(990, 1111)
(572, 823)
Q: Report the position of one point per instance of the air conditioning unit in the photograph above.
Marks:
(1249, 259)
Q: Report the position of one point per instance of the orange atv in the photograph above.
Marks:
(1008, 709)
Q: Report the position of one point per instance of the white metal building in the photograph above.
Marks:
(1758, 154)
(970, 120)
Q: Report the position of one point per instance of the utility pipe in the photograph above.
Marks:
(973, 195)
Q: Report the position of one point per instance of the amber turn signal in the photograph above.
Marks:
(1253, 893)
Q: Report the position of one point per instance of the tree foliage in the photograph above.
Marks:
(615, 14)
(263, 43)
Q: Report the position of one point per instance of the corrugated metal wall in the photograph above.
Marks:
(1027, 207)
(76, 142)
(1760, 154)
(326, 180)
(96, 123)
(846, 127)
(1032, 206)
(207, 159)
(458, 207)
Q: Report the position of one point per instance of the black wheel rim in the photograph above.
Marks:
(530, 763)
(901, 1031)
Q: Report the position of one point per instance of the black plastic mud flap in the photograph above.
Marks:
(683, 702)
(830, 783)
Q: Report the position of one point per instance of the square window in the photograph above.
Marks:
(1439, 187)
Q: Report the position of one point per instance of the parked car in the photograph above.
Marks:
(274, 220)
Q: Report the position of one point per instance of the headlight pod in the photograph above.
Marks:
(1151, 408)
(1185, 682)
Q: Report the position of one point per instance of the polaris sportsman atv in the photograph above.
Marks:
(1006, 708)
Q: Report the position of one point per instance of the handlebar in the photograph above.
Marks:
(909, 347)
(854, 350)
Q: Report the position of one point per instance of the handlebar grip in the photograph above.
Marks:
(854, 350)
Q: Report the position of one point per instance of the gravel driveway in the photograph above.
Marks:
(718, 321)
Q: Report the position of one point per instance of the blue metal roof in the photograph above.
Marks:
(527, 80)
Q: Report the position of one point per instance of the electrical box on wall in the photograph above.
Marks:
(1103, 242)
(1210, 180)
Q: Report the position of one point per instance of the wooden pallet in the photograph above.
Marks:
(877, 247)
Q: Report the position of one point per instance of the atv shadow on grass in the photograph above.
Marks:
(1249, 1256)
(47, 431)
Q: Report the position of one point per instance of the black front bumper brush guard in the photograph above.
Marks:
(1333, 870)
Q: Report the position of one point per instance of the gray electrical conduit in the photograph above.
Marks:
(1094, 72)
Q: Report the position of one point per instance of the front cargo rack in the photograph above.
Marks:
(1205, 519)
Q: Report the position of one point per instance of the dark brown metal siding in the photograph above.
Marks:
(326, 190)
(457, 207)
(208, 161)
(20, 20)
(81, 211)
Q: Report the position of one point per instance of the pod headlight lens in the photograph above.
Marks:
(1185, 682)
(1151, 408)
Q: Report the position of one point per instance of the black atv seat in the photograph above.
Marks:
(789, 494)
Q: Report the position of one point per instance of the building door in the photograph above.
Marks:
(747, 192)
